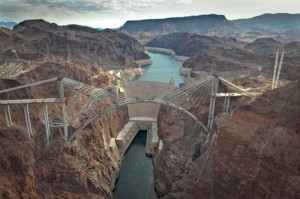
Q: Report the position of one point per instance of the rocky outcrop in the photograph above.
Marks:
(228, 56)
(267, 47)
(144, 30)
(82, 45)
(226, 62)
(85, 168)
(210, 53)
(182, 140)
(128, 74)
(283, 27)
(200, 24)
(252, 152)
(273, 21)
(186, 44)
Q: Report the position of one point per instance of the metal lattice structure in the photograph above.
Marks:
(81, 104)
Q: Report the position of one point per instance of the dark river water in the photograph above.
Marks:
(136, 179)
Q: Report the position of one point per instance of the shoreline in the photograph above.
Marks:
(167, 52)
(143, 62)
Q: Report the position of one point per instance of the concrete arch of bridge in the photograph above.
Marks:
(134, 101)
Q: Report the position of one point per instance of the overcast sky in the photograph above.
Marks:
(114, 13)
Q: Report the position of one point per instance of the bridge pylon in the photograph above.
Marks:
(64, 111)
(214, 91)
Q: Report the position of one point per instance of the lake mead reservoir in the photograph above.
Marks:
(163, 67)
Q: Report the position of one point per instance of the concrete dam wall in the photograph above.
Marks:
(144, 90)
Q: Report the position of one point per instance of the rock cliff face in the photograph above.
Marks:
(82, 45)
(282, 26)
(266, 48)
(234, 61)
(187, 44)
(32, 168)
(273, 21)
(253, 152)
(209, 53)
(86, 168)
(200, 24)
(143, 30)
(231, 57)
(35, 169)
(181, 138)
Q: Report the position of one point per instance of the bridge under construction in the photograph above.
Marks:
(81, 104)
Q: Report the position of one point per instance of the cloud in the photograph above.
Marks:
(72, 5)
(22, 9)
(184, 1)
(112, 13)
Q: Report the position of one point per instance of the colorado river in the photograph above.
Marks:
(136, 179)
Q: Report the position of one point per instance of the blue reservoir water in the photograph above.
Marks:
(162, 69)
(136, 179)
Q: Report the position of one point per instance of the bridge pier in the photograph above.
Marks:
(27, 120)
(64, 112)
(227, 107)
(7, 115)
(211, 113)
(47, 125)
(226, 104)
(65, 122)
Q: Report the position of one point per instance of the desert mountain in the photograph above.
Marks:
(200, 24)
(187, 44)
(38, 40)
(203, 24)
(229, 55)
(245, 150)
(274, 21)
(284, 27)
(36, 50)
(281, 26)
(252, 151)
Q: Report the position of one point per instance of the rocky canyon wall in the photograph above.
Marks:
(32, 168)
(252, 152)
